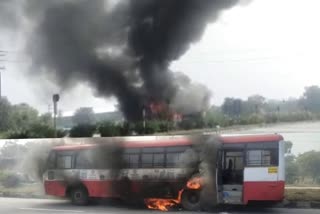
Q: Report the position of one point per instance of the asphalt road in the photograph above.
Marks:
(46, 206)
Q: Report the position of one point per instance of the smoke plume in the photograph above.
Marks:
(8, 14)
(120, 48)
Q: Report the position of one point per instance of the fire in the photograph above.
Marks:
(194, 183)
(161, 203)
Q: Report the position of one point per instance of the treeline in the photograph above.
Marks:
(23, 121)
(303, 168)
(257, 109)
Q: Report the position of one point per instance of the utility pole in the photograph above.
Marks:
(144, 119)
(55, 99)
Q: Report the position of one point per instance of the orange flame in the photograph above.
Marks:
(194, 183)
(161, 203)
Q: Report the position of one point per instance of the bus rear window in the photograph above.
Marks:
(64, 160)
(262, 157)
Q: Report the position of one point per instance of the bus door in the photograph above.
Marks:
(232, 169)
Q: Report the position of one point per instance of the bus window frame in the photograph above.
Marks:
(178, 150)
(76, 156)
(262, 146)
(130, 151)
(71, 153)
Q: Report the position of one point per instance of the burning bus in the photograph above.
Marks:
(171, 170)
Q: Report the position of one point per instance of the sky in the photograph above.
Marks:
(268, 47)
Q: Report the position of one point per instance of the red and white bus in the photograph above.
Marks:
(243, 168)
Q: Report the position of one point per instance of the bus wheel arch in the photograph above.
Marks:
(78, 194)
(190, 200)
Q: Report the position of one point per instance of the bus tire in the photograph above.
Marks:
(190, 200)
(79, 196)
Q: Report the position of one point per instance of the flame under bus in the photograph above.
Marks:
(166, 171)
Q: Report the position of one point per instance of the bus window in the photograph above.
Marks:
(131, 157)
(64, 160)
(180, 156)
(152, 157)
(146, 160)
(263, 154)
(134, 160)
(233, 160)
(172, 159)
(262, 157)
(84, 160)
(158, 160)
(131, 160)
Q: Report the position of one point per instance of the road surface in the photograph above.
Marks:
(52, 206)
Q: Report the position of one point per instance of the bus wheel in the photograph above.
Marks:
(79, 196)
(190, 200)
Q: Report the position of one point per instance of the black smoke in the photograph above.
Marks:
(120, 48)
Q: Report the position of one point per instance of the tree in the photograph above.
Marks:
(82, 130)
(83, 115)
(292, 169)
(12, 150)
(309, 164)
(311, 99)
(46, 119)
(215, 117)
(232, 107)
(254, 104)
(35, 130)
(5, 114)
(23, 116)
(109, 129)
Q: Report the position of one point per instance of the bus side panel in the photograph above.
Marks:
(263, 191)
(100, 189)
(55, 188)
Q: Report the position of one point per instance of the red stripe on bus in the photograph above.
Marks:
(263, 191)
(57, 188)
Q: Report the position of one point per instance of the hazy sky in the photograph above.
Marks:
(269, 47)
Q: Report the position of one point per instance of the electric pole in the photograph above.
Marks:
(55, 99)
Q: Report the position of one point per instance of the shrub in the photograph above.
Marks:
(36, 130)
(151, 127)
(108, 129)
(9, 179)
(83, 130)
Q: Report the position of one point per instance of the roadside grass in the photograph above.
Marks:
(302, 194)
(27, 190)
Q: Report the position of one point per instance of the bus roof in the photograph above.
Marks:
(181, 141)
(251, 138)
(131, 144)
